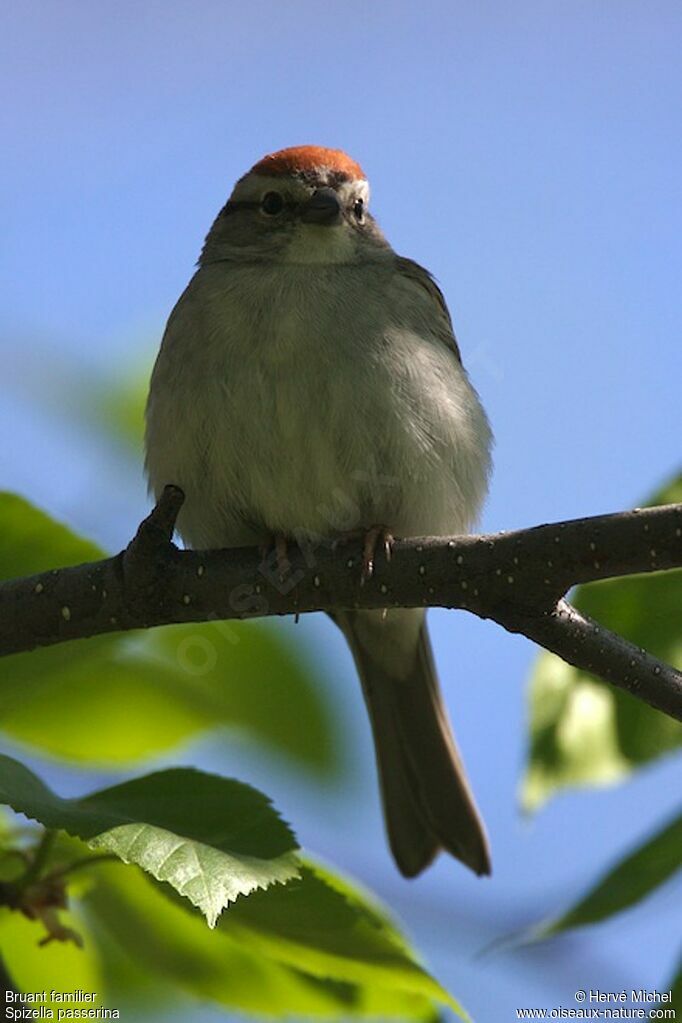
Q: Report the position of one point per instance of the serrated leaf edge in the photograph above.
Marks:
(284, 868)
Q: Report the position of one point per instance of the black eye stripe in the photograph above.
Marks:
(253, 204)
(234, 205)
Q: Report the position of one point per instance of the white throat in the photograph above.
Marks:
(317, 243)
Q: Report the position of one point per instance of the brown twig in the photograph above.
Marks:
(518, 579)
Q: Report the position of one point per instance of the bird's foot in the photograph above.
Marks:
(374, 539)
(278, 545)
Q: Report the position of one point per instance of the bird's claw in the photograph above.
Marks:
(375, 537)
(279, 544)
(372, 539)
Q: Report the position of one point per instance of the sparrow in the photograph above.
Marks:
(309, 384)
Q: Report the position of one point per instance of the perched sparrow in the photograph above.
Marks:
(309, 383)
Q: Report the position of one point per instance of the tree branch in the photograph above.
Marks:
(517, 579)
(584, 643)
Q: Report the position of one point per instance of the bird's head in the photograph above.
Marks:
(306, 204)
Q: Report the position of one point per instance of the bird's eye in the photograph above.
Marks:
(272, 203)
(359, 210)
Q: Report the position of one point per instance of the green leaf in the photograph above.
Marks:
(178, 952)
(630, 881)
(30, 541)
(250, 676)
(210, 838)
(237, 968)
(114, 700)
(155, 947)
(118, 700)
(325, 926)
(583, 731)
(210, 879)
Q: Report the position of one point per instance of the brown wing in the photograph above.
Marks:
(414, 272)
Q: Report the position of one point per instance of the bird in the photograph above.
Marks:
(309, 384)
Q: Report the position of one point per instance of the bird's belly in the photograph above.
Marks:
(310, 458)
(291, 424)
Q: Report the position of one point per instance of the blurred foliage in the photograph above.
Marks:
(302, 947)
(635, 877)
(120, 406)
(117, 699)
(584, 731)
(30, 541)
(318, 947)
(61, 966)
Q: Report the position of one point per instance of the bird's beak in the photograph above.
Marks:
(323, 207)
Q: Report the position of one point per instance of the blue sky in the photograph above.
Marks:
(529, 155)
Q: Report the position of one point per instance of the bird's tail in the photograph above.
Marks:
(428, 804)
